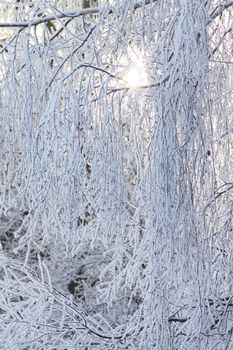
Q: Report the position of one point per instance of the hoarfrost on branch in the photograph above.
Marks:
(116, 175)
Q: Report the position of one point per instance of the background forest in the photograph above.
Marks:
(116, 175)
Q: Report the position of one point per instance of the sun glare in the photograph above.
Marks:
(133, 69)
(136, 75)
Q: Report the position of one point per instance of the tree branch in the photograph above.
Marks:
(220, 9)
(177, 319)
(70, 14)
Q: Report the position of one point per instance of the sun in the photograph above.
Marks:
(132, 69)
(136, 75)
